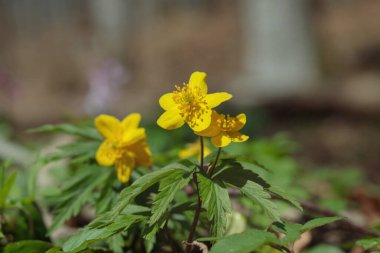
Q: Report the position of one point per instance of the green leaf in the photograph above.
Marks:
(76, 194)
(286, 196)
(249, 183)
(168, 188)
(245, 242)
(116, 243)
(54, 250)
(369, 243)
(89, 235)
(83, 131)
(319, 222)
(107, 195)
(143, 183)
(292, 231)
(6, 187)
(257, 193)
(324, 248)
(27, 246)
(216, 201)
(232, 171)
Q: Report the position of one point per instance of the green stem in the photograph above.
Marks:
(198, 207)
(215, 162)
(202, 153)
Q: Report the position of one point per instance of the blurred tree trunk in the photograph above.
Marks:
(280, 57)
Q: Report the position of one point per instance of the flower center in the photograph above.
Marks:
(191, 103)
(226, 123)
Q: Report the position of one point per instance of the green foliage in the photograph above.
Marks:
(324, 248)
(143, 183)
(27, 246)
(370, 243)
(5, 183)
(216, 201)
(98, 233)
(168, 188)
(82, 131)
(156, 209)
(293, 231)
(77, 193)
(252, 240)
(311, 224)
(245, 242)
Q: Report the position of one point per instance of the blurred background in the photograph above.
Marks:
(310, 68)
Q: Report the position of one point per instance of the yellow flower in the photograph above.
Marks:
(124, 145)
(194, 149)
(224, 129)
(191, 104)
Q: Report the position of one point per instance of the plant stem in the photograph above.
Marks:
(196, 216)
(202, 153)
(198, 207)
(215, 162)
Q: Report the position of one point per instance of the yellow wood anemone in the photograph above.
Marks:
(190, 104)
(194, 149)
(124, 144)
(224, 129)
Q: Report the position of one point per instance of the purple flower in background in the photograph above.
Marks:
(104, 81)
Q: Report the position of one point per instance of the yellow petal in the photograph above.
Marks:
(189, 151)
(170, 120)
(240, 121)
(238, 137)
(132, 136)
(206, 151)
(141, 153)
(124, 167)
(131, 122)
(215, 99)
(106, 154)
(221, 140)
(201, 122)
(213, 129)
(166, 102)
(198, 82)
(108, 126)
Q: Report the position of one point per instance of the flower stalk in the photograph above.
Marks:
(211, 170)
(198, 207)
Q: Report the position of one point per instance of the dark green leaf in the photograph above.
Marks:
(257, 193)
(116, 243)
(90, 235)
(216, 201)
(168, 188)
(232, 172)
(292, 232)
(369, 243)
(245, 242)
(27, 246)
(142, 184)
(319, 222)
(324, 249)
(285, 196)
(76, 194)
